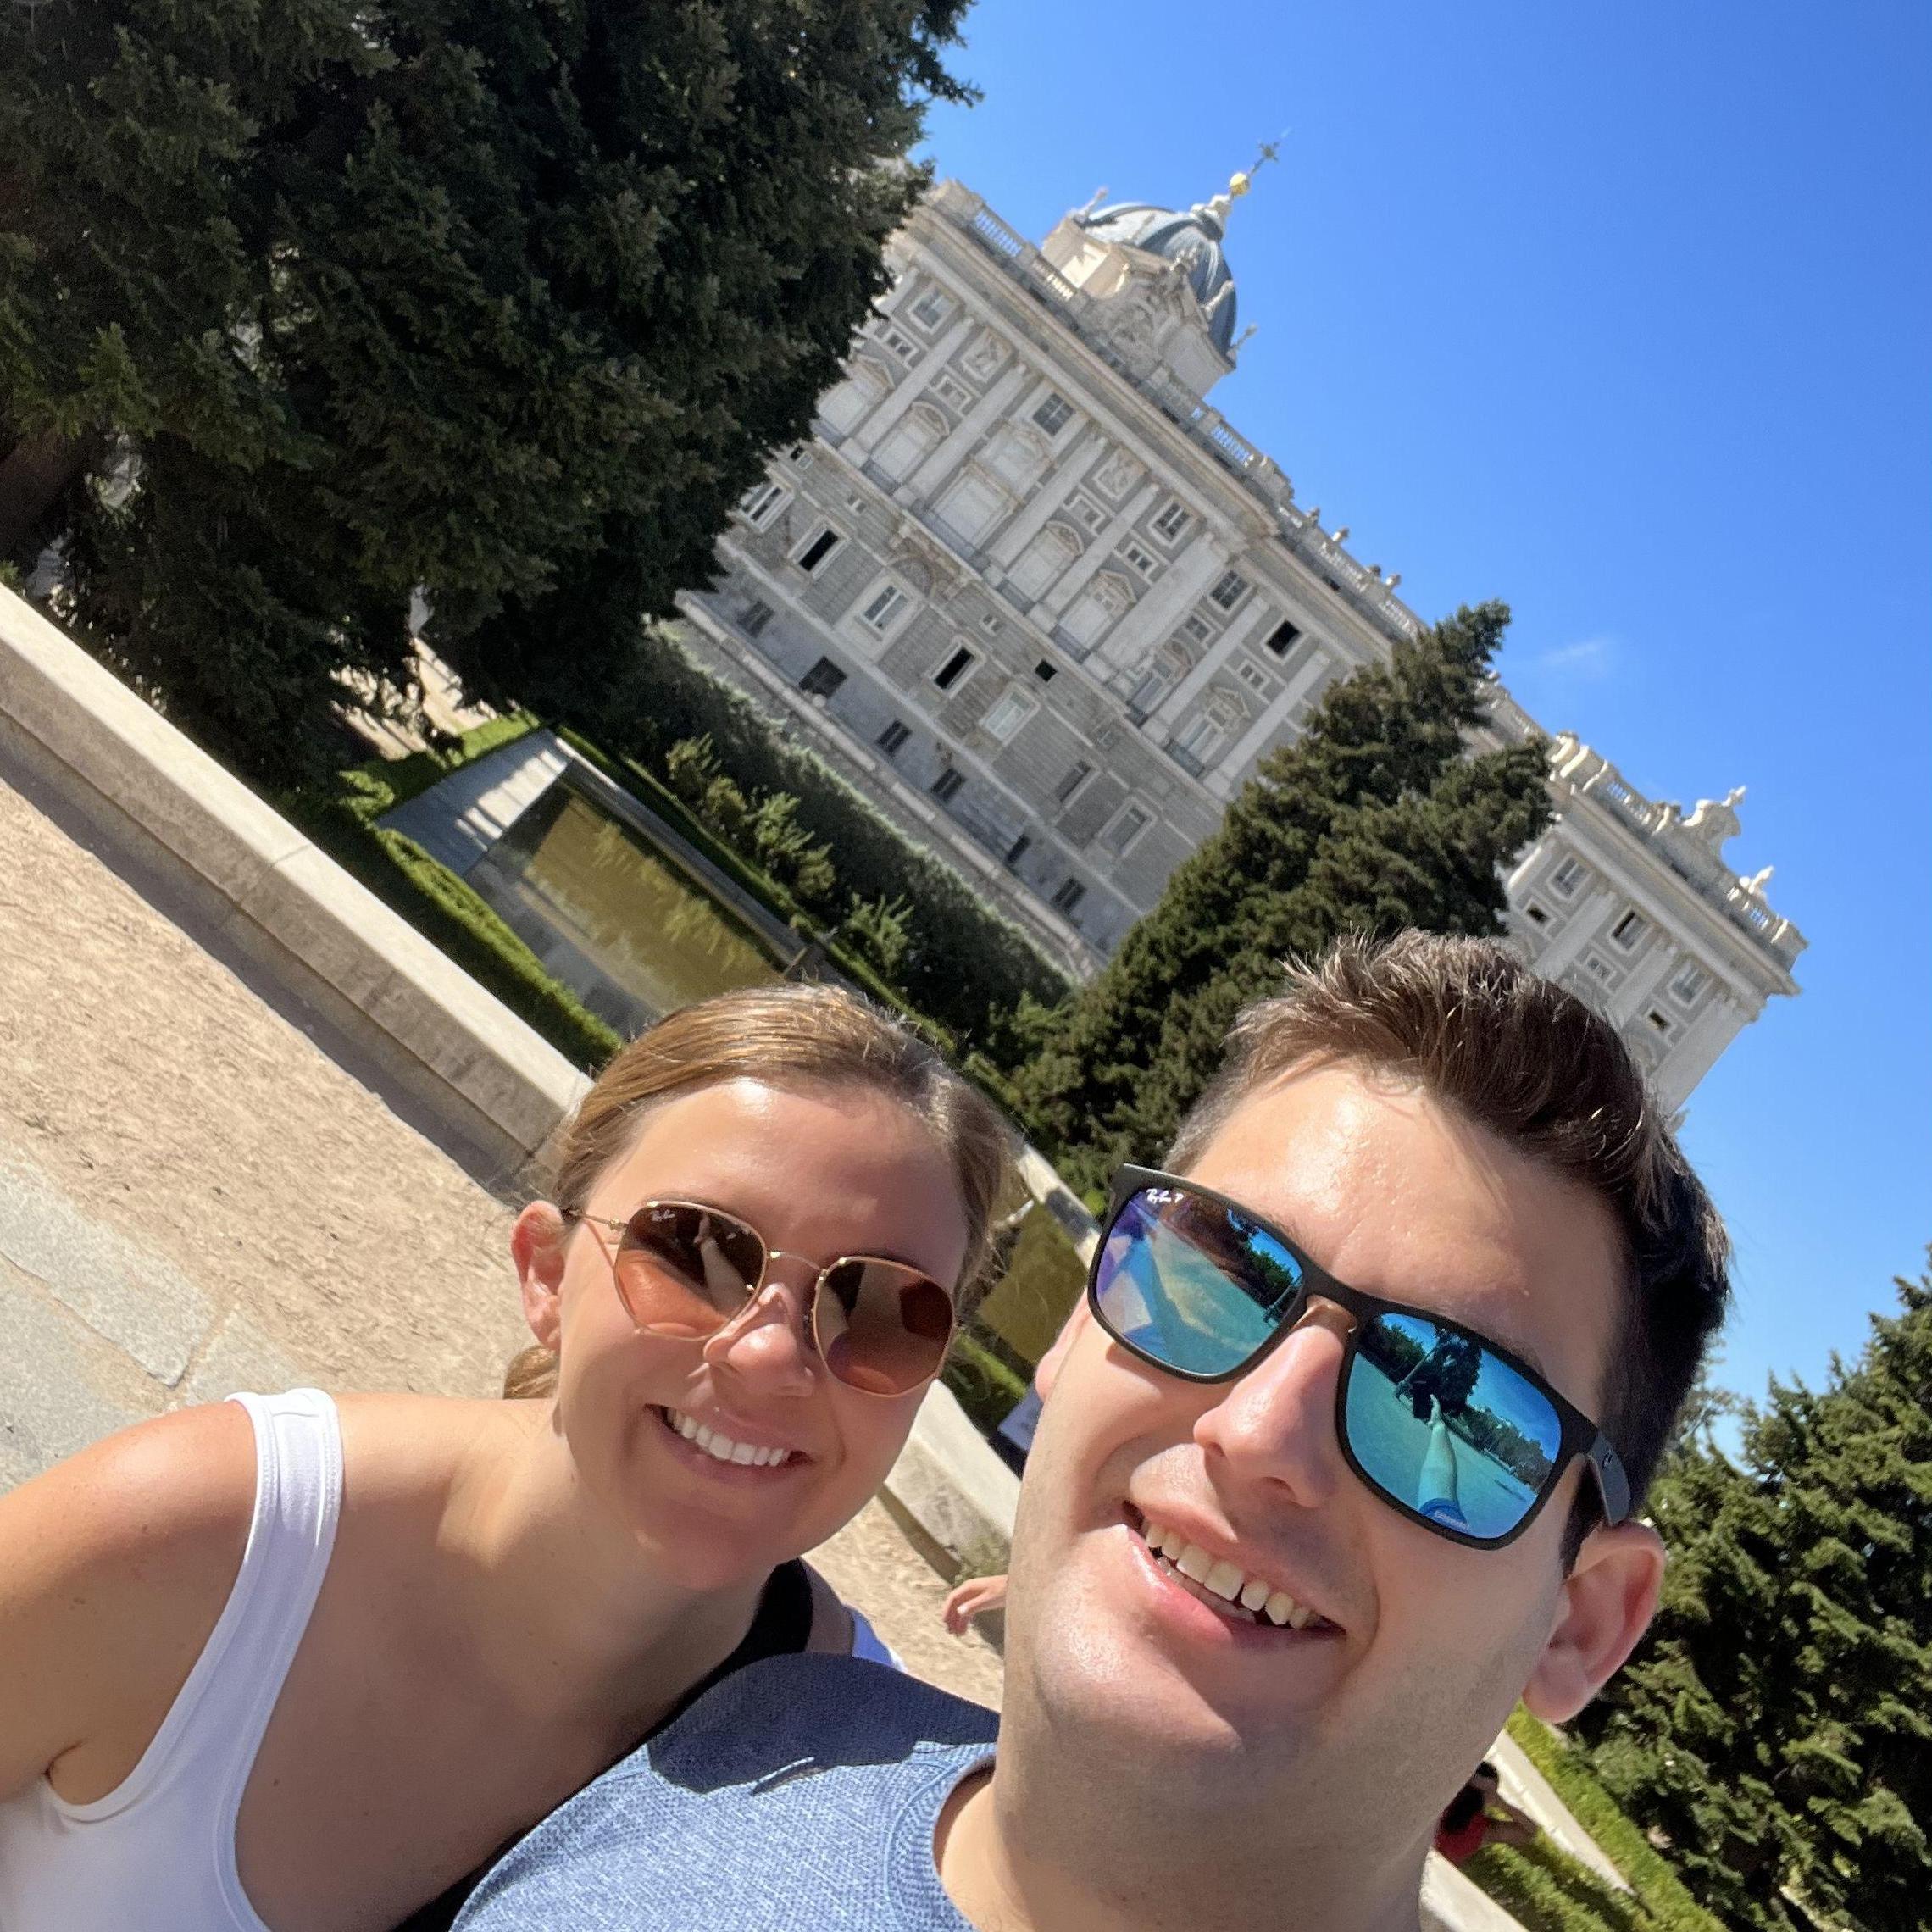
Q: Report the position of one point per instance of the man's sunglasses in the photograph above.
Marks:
(686, 1270)
(1438, 1420)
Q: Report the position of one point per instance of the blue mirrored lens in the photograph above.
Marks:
(1444, 1426)
(1192, 1283)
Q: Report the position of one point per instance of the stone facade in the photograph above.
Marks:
(1031, 589)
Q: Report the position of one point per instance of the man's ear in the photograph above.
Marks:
(1071, 1330)
(1606, 1603)
(537, 1246)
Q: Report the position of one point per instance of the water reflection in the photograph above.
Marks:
(611, 918)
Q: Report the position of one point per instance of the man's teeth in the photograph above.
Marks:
(1218, 1574)
(712, 1443)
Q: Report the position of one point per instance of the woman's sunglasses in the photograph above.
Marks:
(686, 1270)
(1439, 1421)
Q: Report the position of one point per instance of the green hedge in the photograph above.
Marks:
(965, 963)
(446, 911)
(1664, 1898)
(987, 1389)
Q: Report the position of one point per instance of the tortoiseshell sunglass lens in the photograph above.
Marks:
(881, 1326)
(684, 1270)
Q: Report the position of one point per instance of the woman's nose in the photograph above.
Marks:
(765, 1344)
(1275, 1424)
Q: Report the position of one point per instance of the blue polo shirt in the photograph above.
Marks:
(801, 1791)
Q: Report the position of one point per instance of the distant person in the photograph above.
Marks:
(1246, 1675)
(1478, 1815)
(1439, 1494)
(301, 1663)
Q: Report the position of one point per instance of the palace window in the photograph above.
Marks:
(948, 784)
(954, 668)
(954, 395)
(1076, 777)
(1283, 638)
(1691, 981)
(1536, 915)
(1006, 714)
(1600, 968)
(1568, 877)
(1628, 931)
(817, 550)
(1662, 1022)
(1054, 414)
(1124, 830)
(903, 346)
(1252, 675)
(823, 678)
(931, 308)
(1199, 628)
(894, 735)
(1046, 672)
(754, 617)
(1230, 591)
(1171, 522)
(1136, 559)
(885, 605)
(1068, 894)
(761, 503)
(1089, 512)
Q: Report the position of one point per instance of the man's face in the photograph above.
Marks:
(1382, 1716)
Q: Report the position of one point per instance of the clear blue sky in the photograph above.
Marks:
(1623, 315)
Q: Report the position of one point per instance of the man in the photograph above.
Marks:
(1263, 1616)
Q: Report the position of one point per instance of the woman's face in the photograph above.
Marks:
(818, 1173)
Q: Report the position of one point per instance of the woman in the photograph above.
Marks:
(289, 1664)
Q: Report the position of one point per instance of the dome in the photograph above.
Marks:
(1192, 237)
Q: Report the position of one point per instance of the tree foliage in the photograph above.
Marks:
(1777, 1729)
(1377, 818)
(304, 304)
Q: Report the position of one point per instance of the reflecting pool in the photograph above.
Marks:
(611, 918)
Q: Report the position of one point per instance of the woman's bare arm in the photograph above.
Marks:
(114, 1566)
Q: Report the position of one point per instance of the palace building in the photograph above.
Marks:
(1029, 591)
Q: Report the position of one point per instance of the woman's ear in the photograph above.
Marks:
(538, 1243)
(1605, 1606)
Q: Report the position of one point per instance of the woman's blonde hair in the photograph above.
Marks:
(793, 1036)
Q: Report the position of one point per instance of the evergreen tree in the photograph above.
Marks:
(1777, 1728)
(304, 304)
(1377, 818)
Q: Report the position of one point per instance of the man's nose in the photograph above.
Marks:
(1276, 1424)
(765, 1346)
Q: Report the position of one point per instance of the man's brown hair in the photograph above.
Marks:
(1470, 1023)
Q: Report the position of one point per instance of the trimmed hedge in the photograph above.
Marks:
(964, 964)
(1664, 1896)
(448, 912)
(985, 1388)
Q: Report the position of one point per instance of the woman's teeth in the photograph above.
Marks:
(714, 1443)
(1216, 1575)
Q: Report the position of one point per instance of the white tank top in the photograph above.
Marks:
(157, 1853)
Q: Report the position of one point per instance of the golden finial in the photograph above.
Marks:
(1239, 182)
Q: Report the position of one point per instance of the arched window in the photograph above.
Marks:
(1040, 565)
(910, 441)
(1097, 610)
(846, 406)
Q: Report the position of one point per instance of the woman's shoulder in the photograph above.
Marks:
(114, 1565)
(161, 1498)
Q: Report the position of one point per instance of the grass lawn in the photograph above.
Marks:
(1547, 1890)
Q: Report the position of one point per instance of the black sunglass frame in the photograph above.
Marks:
(1580, 1435)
